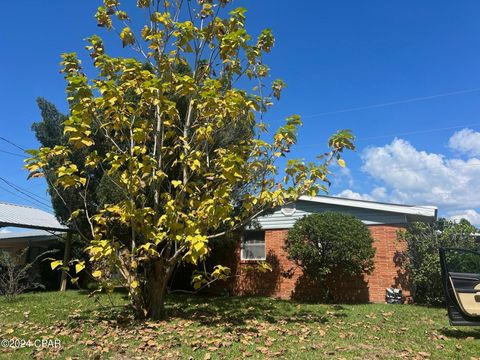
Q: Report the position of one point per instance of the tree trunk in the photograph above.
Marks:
(157, 281)
(66, 260)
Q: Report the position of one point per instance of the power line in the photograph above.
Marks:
(12, 143)
(32, 193)
(426, 131)
(418, 132)
(11, 153)
(391, 103)
(26, 193)
(24, 198)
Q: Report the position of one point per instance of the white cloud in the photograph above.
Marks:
(466, 141)
(469, 214)
(4, 231)
(377, 194)
(349, 194)
(408, 175)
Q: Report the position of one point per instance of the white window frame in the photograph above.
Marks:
(244, 243)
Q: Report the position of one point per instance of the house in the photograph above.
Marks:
(265, 240)
(37, 241)
(43, 228)
(44, 234)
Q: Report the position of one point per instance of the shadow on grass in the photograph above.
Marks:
(227, 311)
(461, 334)
(239, 311)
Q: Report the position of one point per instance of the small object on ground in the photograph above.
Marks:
(394, 296)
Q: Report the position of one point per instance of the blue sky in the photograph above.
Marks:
(333, 55)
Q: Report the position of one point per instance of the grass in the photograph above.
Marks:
(230, 328)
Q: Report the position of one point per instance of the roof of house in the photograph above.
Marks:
(28, 217)
(427, 211)
(369, 212)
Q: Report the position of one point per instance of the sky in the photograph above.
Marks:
(403, 76)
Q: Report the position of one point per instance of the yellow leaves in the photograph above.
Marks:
(97, 274)
(143, 3)
(79, 266)
(147, 251)
(67, 176)
(221, 272)
(67, 170)
(198, 280)
(92, 160)
(134, 284)
(198, 248)
(94, 250)
(162, 18)
(341, 162)
(176, 183)
(77, 129)
(55, 264)
(127, 37)
(238, 175)
(101, 249)
(68, 129)
(195, 164)
(103, 18)
(87, 142)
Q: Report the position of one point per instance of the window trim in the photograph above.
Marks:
(242, 244)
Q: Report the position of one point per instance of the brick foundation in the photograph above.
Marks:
(287, 281)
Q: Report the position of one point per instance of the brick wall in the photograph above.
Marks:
(288, 281)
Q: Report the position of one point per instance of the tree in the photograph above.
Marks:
(331, 242)
(422, 261)
(49, 132)
(181, 187)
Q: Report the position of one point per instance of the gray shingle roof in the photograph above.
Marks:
(28, 217)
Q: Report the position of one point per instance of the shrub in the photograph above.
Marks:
(331, 241)
(422, 261)
(15, 277)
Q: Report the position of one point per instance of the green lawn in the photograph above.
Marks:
(229, 328)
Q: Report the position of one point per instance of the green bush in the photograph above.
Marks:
(422, 261)
(331, 241)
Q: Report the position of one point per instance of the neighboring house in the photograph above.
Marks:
(43, 228)
(37, 241)
(265, 240)
(44, 232)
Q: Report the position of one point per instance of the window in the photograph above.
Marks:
(253, 246)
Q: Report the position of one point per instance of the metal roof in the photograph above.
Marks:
(423, 211)
(28, 217)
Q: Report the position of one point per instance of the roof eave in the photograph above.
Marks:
(421, 211)
(35, 227)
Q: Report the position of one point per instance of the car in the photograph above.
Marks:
(461, 283)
